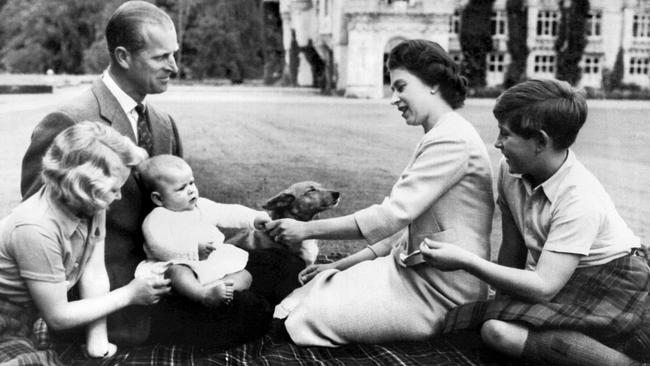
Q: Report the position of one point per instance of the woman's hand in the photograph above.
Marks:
(310, 272)
(287, 231)
(148, 291)
(444, 256)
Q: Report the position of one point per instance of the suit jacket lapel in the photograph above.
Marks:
(111, 111)
(160, 132)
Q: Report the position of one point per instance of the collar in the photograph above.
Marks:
(551, 186)
(65, 218)
(125, 101)
(447, 116)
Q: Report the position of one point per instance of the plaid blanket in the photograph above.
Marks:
(607, 302)
(274, 350)
(22, 341)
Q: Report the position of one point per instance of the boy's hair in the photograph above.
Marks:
(155, 170)
(80, 161)
(550, 105)
(433, 66)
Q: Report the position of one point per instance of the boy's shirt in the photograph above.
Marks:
(569, 213)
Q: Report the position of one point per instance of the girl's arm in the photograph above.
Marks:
(94, 283)
(551, 274)
(52, 301)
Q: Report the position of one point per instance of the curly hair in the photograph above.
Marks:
(80, 162)
(431, 64)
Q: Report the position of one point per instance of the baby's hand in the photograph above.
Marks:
(205, 249)
(261, 219)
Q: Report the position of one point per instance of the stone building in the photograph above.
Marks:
(353, 37)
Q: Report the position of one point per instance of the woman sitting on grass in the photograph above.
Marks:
(377, 294)
(55, 239)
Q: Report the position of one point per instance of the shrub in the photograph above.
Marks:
(476, 40)
(517, 34)
(571, 40)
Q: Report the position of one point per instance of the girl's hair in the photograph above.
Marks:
(80, 161)
(431, 64)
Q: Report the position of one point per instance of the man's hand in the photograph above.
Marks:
(205, 249)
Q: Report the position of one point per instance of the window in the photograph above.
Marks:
(454, 22)
(641, 26)
(496, 62)
(326, 7)
(547, 23)
(544, 64)
(591, 65)
(592, 27)
(639, 65)
(499, 23)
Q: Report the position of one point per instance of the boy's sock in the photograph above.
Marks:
(565, 347)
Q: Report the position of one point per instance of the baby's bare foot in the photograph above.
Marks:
(218, 293)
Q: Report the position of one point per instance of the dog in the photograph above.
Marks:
(302, 201)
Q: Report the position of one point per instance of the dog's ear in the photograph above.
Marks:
(283, 199)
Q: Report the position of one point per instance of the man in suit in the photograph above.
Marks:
(141, 41)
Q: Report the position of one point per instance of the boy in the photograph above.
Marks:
(182, 238)
(569, 279)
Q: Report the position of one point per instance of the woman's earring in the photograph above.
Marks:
(433, 91)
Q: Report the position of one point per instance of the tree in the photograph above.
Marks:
(42, 34)
(613, 80)
(273, 47)
(223, 38)
(517, 34)
(571, 40)
(476, 40)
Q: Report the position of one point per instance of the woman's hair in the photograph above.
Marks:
(431, 64)
(80, 161)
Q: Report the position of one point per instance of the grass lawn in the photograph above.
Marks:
(247, 144)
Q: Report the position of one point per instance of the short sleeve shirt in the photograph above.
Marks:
(42, 241)
(568, 213)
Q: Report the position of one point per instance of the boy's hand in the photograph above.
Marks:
(261, 220)
(205, 249)
(444, 256)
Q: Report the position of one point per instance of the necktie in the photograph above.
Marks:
(145, 139)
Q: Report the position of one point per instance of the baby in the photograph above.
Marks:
(182, 238)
